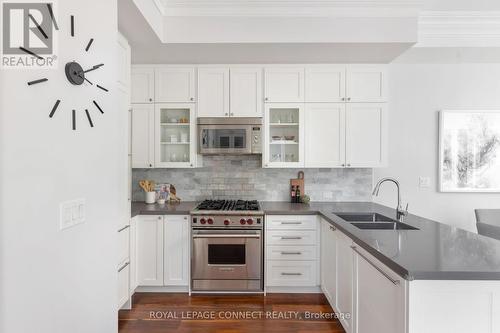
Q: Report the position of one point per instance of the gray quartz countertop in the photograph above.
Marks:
(434, 252)
(181, 208)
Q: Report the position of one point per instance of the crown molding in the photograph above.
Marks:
(293, 8)
(459, 29)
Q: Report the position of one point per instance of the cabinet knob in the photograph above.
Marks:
(159, 217)
(348, 164)
(192, 98)
(348, 98)
(226, 114)
(190, 164)
(150, 165)
(343, 164)
(343, 98)
(150, 99)
(266, 99)
(232, 114)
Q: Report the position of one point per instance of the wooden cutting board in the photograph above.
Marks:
(298, 182)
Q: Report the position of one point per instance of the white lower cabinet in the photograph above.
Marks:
(329, 262)
(150, 250)
(176, 250)
(292, 252)
(123, 284)
(163, 250)
(345, 281)
(366, 295)
(379, 296)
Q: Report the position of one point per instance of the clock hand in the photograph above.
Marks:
(93, 68)
(83, 77)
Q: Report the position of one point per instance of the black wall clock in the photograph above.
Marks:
(75, 73)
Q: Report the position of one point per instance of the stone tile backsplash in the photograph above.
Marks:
(241, 176)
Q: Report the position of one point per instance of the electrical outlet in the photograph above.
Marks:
(424, 182)
(71, 213)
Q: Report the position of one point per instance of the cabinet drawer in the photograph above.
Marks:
(291, 273)
(123, 244)
(291, 237)
(291, 222)
(123, 284)
(293, 252)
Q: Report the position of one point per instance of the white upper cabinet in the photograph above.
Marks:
(143, 82)
(366, 134)
(325, 83)
(175, 84)
(246, 92)
(213, 92)
(143, 135)
(366, 83)
(284, 84)
(324, 135)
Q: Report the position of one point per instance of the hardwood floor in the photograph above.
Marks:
(160, 312)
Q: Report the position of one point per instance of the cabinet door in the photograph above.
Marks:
(150, 250)
(143, 80)
(284, 135)
(324, 135)
(366, 84)
(246, 92)
(284, 84)
(366, 137)
(175, 136)
(175, 85)
(345, 301)
(133, 254)
(325, 84)
(143, 120)
(213, 92)
(329, 262)
(380, 297)
(176, 255)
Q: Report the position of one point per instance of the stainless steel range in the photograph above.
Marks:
(227, 246)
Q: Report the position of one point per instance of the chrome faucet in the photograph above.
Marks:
(400, 212)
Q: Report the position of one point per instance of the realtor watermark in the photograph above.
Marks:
(246, 315)
(28, 34)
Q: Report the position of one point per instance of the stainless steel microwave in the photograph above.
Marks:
(229, 135)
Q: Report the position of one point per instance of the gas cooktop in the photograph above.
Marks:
(228, 207)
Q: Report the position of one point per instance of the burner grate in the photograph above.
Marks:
(234, 205)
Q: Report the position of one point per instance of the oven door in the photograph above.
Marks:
(225, 139)
(227, 254)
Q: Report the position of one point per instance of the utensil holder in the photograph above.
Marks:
(150, 197)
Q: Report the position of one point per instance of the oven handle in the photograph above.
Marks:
(226, 236)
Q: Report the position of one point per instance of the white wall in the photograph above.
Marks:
(417, 93)
(54, 281)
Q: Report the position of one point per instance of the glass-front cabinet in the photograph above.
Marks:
(175, 136)
(284, 135)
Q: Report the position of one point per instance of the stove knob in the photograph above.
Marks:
(250, 221)
(242, 221)
(226, 222)
(203, 221)
(210, 221)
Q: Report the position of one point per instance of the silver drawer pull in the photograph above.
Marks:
(123, 266)
(125, 227)
(226, 269)
(291, 274)
(286, 252)
(291, 222)
(290, 237)
(396, 282)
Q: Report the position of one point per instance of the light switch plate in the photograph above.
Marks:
(71, 212)
(424, 182)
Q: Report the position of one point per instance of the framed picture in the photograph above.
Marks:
(469, 151)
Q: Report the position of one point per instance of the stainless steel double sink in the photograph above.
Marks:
(373, 221)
